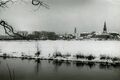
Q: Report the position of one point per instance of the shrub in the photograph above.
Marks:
(66, 55)
(37, 54)
(5, 55)
(57, 54)
(81, 56)
(90, 57)
(115, 59)
(104, 57)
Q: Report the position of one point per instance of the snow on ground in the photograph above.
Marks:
(96, 48)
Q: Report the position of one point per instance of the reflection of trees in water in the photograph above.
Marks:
(37, 66)
(83, 64)
(57, 64)
(116, 65)
(106, 65)
(78, 64)
(5, 56)
(50, 61)
(91, 64)
(68, 63)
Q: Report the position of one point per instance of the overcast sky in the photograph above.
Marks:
(63, 16)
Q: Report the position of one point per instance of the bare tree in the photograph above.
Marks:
(39, 3)
(3, 3)
(9, 30)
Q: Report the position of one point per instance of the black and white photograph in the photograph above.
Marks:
(59, 39)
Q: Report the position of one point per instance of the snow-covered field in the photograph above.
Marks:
(96, 48)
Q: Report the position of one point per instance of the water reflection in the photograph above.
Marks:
(91, 64)
(79, 64)
(104, 66)
(83, 64)
(68, 63)
(41, 69)
(57, 64)
(37, 66)
(4, 57)
(107, 65)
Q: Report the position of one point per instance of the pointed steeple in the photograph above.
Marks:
(75, 30)
(105, 28)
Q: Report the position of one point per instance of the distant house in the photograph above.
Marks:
(102, 36)
(115, 35)
(66, 36)
(85, 35)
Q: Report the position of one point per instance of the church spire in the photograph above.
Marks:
(105, 28)
(75, 30)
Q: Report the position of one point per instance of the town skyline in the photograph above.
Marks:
(74, 30)
(63, 16)
(47, 35)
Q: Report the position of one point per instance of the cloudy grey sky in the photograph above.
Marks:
(63, 15)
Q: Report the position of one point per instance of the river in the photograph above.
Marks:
(52, 70)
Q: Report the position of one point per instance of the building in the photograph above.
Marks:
(104, 35)
(105, 28)
(85, 35)
(75, 33)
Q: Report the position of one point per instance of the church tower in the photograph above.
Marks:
(105, 28)
(75, 32)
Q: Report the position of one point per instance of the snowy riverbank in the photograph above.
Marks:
(109, 49)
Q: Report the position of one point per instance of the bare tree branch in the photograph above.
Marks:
(13, 74)
(3, 3)
(39, 3)
(10, 75)
(9, 30)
